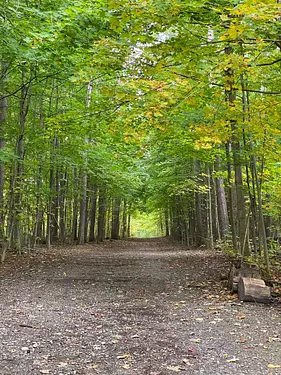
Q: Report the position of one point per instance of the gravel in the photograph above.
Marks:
(135, 307)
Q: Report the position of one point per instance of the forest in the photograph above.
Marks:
(113, 108)
(140, 187)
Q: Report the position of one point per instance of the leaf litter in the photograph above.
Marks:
(131, 307)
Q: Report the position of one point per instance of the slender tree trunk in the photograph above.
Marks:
(216, 222)
(50, 206)
(75, 207)
(198, 210)
(166, 218)
(108, 217)
(3, 115)
(20, 152)
(124, 219)
(101, 215)
(83, 210)
(222, 203)
(37, 230)
(129, 224)
(231, 194)
(93, 214)
(210, 216)
(115, 228)
(261, 217)
(82, 237)
(237, 161)
(62, 223)
(55, 201)
(241, 210)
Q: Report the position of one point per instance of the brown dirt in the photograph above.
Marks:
(133, 307)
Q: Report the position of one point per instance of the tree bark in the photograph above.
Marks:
(253, 290)
(198, 209)
(83, 210)
(101, 215)
(124, 219)
(210, 216)
(167, 228)
(93, 214)
(83, 219)
(16, 235)
(75, 207)
(221, 203)
(237, 161)
(116, 219)
(3, 115)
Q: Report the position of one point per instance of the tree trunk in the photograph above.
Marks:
(261, 217)
(55, 203)
(124, 219)
(237, 161)
(129, 223)
(83, 222)
(75, 207)
(198, 209)
(166, 218)
(221, 203)
(83, 210)
(62, 224)
(210, 216)
(115, 227)
(241, 209)
(50, 205)
(101, 215)
(19, 166)
(3, 115)
(93, 214)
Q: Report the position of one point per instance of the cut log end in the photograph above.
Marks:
(241, 270)
(253, 290)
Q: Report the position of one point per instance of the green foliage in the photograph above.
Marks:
(160, 74)
(145, 225)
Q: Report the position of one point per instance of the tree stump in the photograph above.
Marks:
(253, 290)
(238, 270)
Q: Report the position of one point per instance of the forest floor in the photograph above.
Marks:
(136, 307)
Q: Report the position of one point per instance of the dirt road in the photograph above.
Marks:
(132, 307)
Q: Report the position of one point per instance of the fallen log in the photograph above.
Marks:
(253, 290)
(238, 270)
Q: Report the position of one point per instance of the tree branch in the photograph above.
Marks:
(270, 63)
(236, 89)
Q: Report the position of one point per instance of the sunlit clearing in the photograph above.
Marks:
(145, 225)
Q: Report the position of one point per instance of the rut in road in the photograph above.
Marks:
(144, 307)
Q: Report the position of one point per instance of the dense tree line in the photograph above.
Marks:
(111, 105)
(64, 174)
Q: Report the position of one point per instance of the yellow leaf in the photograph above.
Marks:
(127, 366)
(232, 360)
(271, 339)
(273, 366)
(124, 356)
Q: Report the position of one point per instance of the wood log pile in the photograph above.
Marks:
(245, 279)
